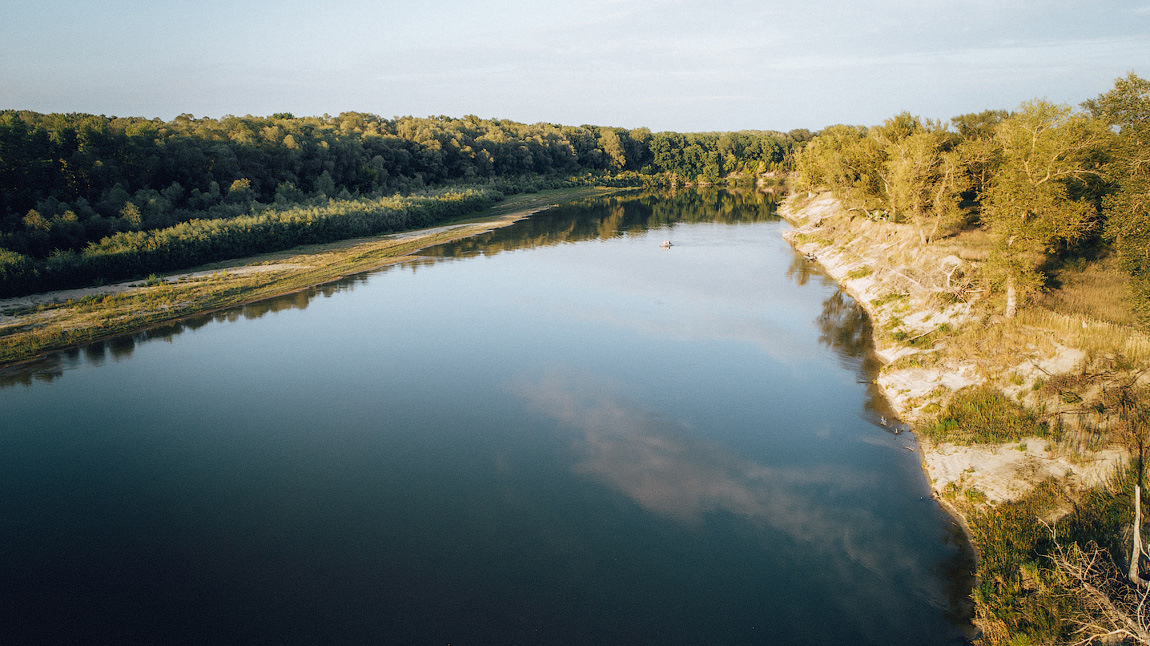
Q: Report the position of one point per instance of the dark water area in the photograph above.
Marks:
(555, 433)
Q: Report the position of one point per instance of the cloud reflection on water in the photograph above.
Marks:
(824, 516)
(656, 462)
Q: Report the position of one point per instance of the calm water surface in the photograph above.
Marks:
(556, 433)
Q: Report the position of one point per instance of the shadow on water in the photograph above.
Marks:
(589, 219)
(117, 348)
(845, 327)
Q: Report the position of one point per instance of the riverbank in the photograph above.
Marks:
(31, 326)
(927, 319)
(948, 353)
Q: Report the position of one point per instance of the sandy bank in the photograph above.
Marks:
(887, 270)
(238, 267)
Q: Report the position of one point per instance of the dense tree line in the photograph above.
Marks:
(1042, 180)
(137, 253)
(75, 186)
(70, 179)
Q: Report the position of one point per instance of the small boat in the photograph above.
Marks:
(810, 257)
(666, 244)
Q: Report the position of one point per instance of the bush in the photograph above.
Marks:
(979, 414)
(1019, 597)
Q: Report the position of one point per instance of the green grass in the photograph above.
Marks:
(889, 298)
(1019, 597)
(983, 415)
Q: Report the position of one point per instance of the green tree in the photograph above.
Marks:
(978, 125)
(34, 221)
(846, 160)
(612, 147)
(1127, 109)
(325, 185)
(240, 191)
(131, 213)
(924, 180)
(1030, 207)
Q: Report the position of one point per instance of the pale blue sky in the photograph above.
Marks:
(664, 64)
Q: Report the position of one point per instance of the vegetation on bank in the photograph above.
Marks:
(36, 329)
(87, 198)
(1046, 184)
(984, 415)
(1039, 223)
(139, 253)
(39, 324)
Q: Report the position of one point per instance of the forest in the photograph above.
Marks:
(1048, 183)
(86, 197)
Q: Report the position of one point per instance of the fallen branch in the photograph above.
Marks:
(1113, 609)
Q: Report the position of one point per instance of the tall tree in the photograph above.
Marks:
(1127, 109)
(923, 175)
(1029, 206)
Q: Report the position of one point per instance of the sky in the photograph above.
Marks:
(660, 64)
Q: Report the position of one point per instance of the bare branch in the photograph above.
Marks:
(1113, 610)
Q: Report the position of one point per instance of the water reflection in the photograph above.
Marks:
(608, 217)
(669, 470)
(802, 269)
(593, 218)
(387, 477)
(845, 327)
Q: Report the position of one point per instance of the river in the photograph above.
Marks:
(558, 432)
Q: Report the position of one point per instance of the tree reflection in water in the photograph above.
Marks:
(802, 269)
(53, 366)
(608, 216)
(845, 327)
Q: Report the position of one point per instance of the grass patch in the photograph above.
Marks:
(860, 272)
(811, 237)
(1019, 598)
(1090, 335)
(1098, 290)
(983, 415)
(893, 297)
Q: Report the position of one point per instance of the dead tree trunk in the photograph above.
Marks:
(1136, 548)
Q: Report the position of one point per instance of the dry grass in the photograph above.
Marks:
(972, 245)
(1098, 290)
(1096, 338)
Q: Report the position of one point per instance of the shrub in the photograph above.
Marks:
(980, 414)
